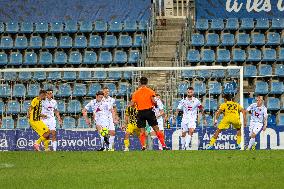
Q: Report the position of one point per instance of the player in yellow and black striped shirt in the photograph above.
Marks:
(130, 124)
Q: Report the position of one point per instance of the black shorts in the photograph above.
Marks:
(146, 115)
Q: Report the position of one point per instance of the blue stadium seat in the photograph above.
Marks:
(210, 105)
(271, 120)
(218, 74)
(30, 58)
(215, 88)
(199, 88)
(273, 104)
(82, 123)
(212, 39)
(61, 105)
(23, 123)
(64, 90)
(25, 106)
(16, 58)
(207, 55)
(54, 76)
(279, 70)
(3, 59)
(21, 42)
(257, 39)
(12, 27)
(112, 88)
(80, 41)
(60, 57)
(25, 76)
(100, 75)
(138, 40)
(50, 42)
(268, 55)
(276, 87)
(227, 39)
(48, 86)
(262, 23)
(69, 123)
(281, 119)
(242, 39)
(79, 90)
(230, 87)
(115, 26)
(254, 55)
(232, 24)
(182, 87)
(123, 89)
(193, 56)
(188, 73)
(71, 26)
(5, 90)
(105, 57)
(120, 57)
(197, 39)
(110, 41)
(13, 107)
(56, 27)
(239, 55)
(65, 41)
(2, 107)
(114, 75)
(223, 55)
(204, 73)
(6, 42)
(125, 41)
(217, 24)
(127, 75)
(134, 56)
(39, 76)
(69, 76)
(86, 26)
(93, 89)
(247, 24)
(35, 41)
(280, 52)
(100, 26)
(26, 27)
(75, 57)
(8, 123)
(10, 76)
(120, 104)
(45, 58)
(90, 57)
(95, 41)
(19, 90)
(33, 90)
(277, 23)
(202, 24)
(272, 38)
(233, 73)
(2, 27)
(250, 71)
(261, 87)
(264, 70)
(41, 27)
(142, 25)
(246, 103)
(129, 26)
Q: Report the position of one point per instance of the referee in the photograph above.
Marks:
(143, 98)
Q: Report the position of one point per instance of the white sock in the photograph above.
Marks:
(187, 140)
(54, 145)
(182, 142)
(111, 142)
(251, 142)
(160, 145)
(102, 141)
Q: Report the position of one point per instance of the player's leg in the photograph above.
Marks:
(184, 130)
(42, 130)
(141, 124)
(191, 130)
(126, 141)
(236, 123)
(111, 128)
(103, 138)
(254, 130)
(51, 123)
(214, 138)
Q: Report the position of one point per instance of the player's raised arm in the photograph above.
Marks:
(85, 115)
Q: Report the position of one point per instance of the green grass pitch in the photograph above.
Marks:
(149, 169)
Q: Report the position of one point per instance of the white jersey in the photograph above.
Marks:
(257, 113)
(110, 101)
(101, 109)
(190, 108)
(158, 108)
(48, 107)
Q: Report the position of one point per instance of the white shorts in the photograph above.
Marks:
(187, 124)
(106, 123)
(255, 127)
(160, 124)
(50, 123)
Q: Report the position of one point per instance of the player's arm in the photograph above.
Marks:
(85, 115)
(114, 116)
(244, 112)
(126, 119)
(265, 117)
(217, 115)
(57, 114)
(202, 111)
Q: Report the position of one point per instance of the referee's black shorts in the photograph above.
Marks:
(146, 115)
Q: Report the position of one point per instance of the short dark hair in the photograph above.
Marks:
(228, 96)
(158, 95)
(49, 89)
(42, 91)
(190, 88)
(99, 93)
(105, 87)
(143, 81)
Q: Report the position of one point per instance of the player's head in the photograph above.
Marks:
(99, 96)
(190, 92)
(49, 93)
(228, 97)
(259, 100)
(143, 81)
(158, 96)
(106, 91)
(42, 94)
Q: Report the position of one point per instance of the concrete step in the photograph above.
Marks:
(165, 42)
(162, 48)
(167, 38)
(159, 63)
(160, 58)
(169, 33)
(162, 54)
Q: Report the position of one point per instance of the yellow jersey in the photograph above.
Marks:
(231, 108)
(132, 114)
(36, 109)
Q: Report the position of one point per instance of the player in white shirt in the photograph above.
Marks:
(111, 102)
(101, 115)
(258, 120)
(160, 114)
(50, 109)
(190, 106)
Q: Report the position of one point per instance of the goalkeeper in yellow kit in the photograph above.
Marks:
(231, 111)
(34, 116)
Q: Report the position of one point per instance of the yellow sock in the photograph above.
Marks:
(46, 143)
(126, 143)
(39, 140)
(239, 139)
(212, 141)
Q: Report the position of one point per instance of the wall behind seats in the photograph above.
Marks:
(77, 10)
